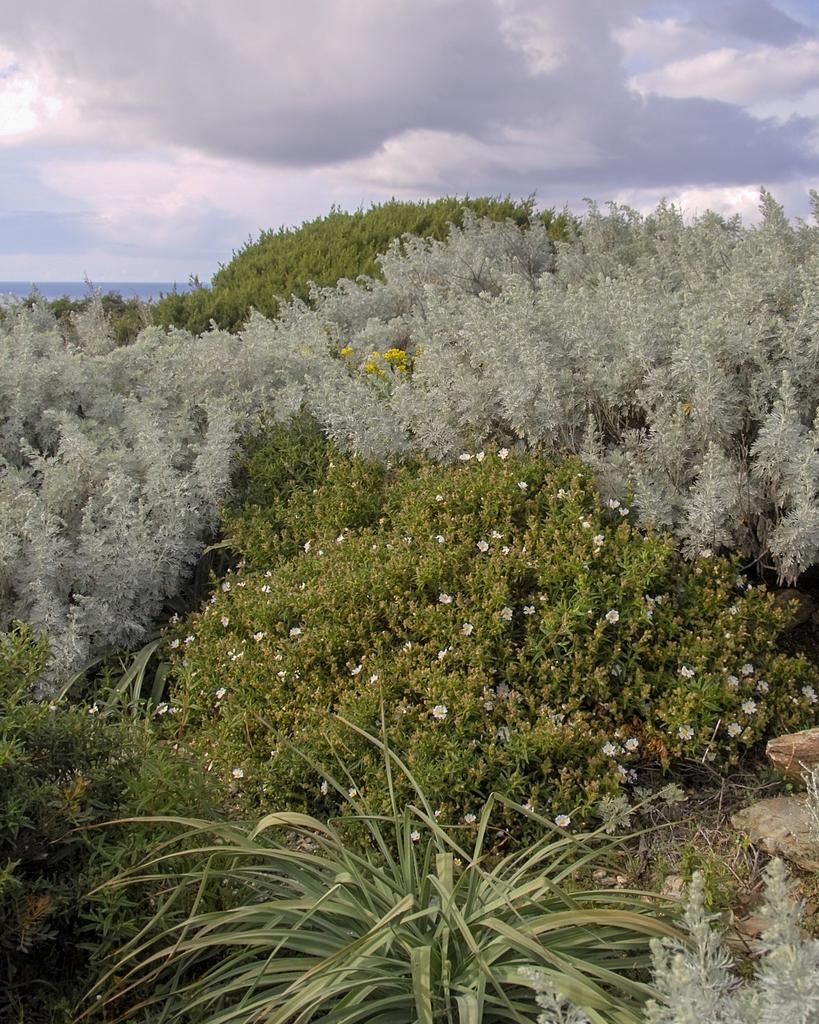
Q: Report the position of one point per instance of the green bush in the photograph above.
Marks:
(62, 769)
(283, 263)
(523, 637)
(415, 926)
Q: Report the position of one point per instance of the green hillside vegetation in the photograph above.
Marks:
(339, 245)
(419, 638)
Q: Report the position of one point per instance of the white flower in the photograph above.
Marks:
(528, 609)
(352, 792)
(175, 643)
(632, 744)
(94, 709)
(734, 728)
(470, 818)
(189, 639)
(224, 620)
(488, 705)
(747, 669)
(445, 599)
(762, 686)
(258, 637)
(441, 539)
(440, 712)
(464, 456)
(439, 497)
(563, 821)
(503, 453)
(324, 788)
(340, 538)
(415, 835)
(161, 709)
(443, 653)
(598, 540)
(685, 732)
(810, 693)
(585, 524)
(356, 670)
(467, 629)
(748, 706)
(609, 749)
(523, 485)
(613, 503)
(374, 678)
(265, 588)
(238, 773)
(612, 616)
(235, 655)
(220, 693)
(733, 682)
(295, 631)
(407, 645)
(482, 545)
(624, 512)
(506, 613)
(562, 493)
(496, 536)
(306, 546)
(480, 456)
(686, 672)
(52, 708)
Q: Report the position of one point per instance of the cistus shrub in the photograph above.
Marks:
(521, 635)
(63, 770)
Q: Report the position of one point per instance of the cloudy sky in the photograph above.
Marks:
(146, 139)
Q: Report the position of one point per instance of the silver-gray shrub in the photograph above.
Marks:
(680, 359)
(698, 983)
(113, 462)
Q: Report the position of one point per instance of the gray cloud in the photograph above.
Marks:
(324, 83)
(757, 20)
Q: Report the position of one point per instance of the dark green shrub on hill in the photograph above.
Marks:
(283, 263)
(523, 637)
(63, 768)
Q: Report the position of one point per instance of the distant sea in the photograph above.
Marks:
(147, 291)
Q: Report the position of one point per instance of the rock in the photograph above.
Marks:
(791, 752)
(802, 606)
(781, 826)
(673, 887)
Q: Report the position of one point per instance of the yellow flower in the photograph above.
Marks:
(346, 351)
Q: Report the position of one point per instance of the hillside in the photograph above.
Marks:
(338, 245)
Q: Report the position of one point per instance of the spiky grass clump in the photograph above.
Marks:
(410, 925)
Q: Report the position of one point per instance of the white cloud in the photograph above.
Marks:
(732, 76)
(28, 100)
(661, 40)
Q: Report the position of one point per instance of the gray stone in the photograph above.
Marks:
(792, 753)
(781, 826)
